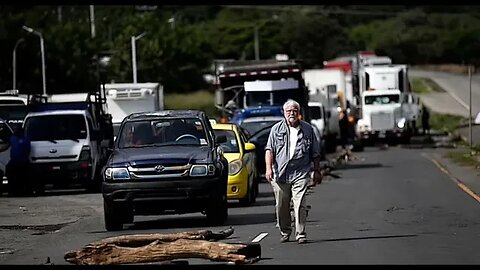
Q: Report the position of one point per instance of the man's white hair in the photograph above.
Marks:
(291, 102)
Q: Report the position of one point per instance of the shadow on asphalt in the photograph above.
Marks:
(360, 166)
(263, 203)
(265, 194)
(177, 221)
(53, 192)
(361, 238)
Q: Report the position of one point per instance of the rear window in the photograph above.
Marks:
(231, 145)
(56, 127)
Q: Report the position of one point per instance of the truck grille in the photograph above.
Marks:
(382, 121)
(159, 171)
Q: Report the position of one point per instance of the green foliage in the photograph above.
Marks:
(178, 56)
(202, 100)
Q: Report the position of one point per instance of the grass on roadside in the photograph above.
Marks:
(466, 157)
(425, 85)
(446, 122)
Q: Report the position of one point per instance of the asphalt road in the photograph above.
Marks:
(392, 206)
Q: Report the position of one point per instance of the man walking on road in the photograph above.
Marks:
(291, 148)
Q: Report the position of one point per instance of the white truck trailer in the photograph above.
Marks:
(324, 85)
(126, 98)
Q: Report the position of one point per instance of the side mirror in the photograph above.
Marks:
(249, 147)
(220, 139)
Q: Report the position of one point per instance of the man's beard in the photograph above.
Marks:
(292, 120)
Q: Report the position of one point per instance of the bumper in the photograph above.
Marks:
(238, 185)
(382, 135)
(64, 172)
(156, 197)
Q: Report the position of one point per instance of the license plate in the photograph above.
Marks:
(381, 135)
(56, 168)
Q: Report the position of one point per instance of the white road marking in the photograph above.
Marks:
(259, 237)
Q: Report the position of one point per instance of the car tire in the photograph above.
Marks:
(113, 217)
(255, 190)
(248, 198)
(217, 211)
(95, 185)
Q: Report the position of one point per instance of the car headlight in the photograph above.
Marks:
(117, 174)
(202, 170)
(401, 123)
(234, 167)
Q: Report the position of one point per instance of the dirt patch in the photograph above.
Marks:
(41, 228)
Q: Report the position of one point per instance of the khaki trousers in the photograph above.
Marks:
(284, 193)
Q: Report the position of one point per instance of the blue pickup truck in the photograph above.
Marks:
(165, 162)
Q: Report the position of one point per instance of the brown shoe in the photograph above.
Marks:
(302, 240)
(284, 238)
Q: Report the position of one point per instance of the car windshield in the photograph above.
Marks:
(382, 99)
(56, 127)
(231, 145)
(171, 131)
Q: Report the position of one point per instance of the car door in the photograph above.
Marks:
(5, 134)
(249, 158)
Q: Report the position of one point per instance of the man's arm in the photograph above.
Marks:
(315, 155)
(269, 157)
(268, 165)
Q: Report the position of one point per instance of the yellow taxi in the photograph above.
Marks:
(242, 173)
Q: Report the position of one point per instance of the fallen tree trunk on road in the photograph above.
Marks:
(136, 240)
(146, 248)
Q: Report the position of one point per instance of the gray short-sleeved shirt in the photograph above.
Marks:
(286, 170)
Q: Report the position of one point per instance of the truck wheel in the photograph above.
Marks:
(113, 219)
(13, 188)
(217, 211)
(357, 146)
(330, 145)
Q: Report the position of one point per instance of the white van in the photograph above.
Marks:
(65, 148)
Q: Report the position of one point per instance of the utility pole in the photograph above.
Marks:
(470, 107)
(14, 63)
(134, 55)
(92, 21)
(59, 13)
(256, 44)
(42, 52)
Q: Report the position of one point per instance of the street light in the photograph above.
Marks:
(134, 55)
(42, 50)
(14, 63)
(256, 41)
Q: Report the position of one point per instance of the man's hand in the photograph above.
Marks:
(269, 175)
(317, 177)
